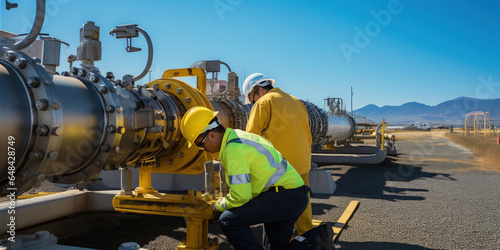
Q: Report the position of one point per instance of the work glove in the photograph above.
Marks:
(216, 213)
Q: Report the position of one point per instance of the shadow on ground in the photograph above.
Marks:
(371, 182)
(377, 245)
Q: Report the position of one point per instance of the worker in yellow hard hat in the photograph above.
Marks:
(264, 187)
(283, 120)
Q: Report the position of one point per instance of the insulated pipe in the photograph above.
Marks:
(35, 29)
(326, 128)
(339, 127)
(374, 159)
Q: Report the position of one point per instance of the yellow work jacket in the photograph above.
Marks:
(282, 119)
(252, 166)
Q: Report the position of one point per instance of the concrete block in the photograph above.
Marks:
(321, 182)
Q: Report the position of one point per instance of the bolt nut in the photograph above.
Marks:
(110, 76)
(74, 71)
(42, 104)
(167, 85)
(180, 155)
(93, 78)
(10, 56)
(121, 130)
(119, 109)
(20, 63)
(36, 155)
(178, 91)
(98, 163)
(47, 81)
(117, 149)
(110, 108)
(55, 105)
(145, 85)
(34, 82)
(155, 86)
(82, 72)
(65, 73)
(57, 131)
(103, 89)
(105, 148)
(111, 129)
(187, 99)
(159, 115)
(169, 162)
(25, 174)
(42, 130)
(53, 155)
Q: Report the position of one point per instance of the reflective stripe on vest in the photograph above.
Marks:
(239, 179)
(280, 168)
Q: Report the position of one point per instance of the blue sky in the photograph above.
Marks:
(391, 52)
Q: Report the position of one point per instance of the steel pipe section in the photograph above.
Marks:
(339, 128)
(327, 128)
(232, 114)
(68, 128)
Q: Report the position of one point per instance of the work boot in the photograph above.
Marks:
(318, 238)
(326, 235)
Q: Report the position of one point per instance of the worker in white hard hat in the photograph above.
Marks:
(282, 119)
(264, 187)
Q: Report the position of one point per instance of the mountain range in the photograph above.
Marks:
(450, 112)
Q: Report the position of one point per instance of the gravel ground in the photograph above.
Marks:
(429, 197)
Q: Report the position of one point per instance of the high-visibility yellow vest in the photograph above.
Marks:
(252, 166)
(283, 120)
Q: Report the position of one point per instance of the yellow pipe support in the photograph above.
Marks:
(145, 180)
(201, 81)
(192, 207)
(198, 235)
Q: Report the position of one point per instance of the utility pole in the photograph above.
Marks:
(352, 93)
(150, 75)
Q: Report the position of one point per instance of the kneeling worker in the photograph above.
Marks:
(264, 187)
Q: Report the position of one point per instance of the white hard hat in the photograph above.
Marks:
(255, 80)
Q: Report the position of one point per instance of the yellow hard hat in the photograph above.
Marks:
(195, 121)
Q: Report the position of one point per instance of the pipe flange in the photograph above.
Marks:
(188, 164)
(38, 85)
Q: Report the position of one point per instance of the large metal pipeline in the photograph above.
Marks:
(327, 128)
(69, 127)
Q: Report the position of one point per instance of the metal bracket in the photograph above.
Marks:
(128, 32)
(130, 48)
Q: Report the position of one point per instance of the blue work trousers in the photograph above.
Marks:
(278, 211)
